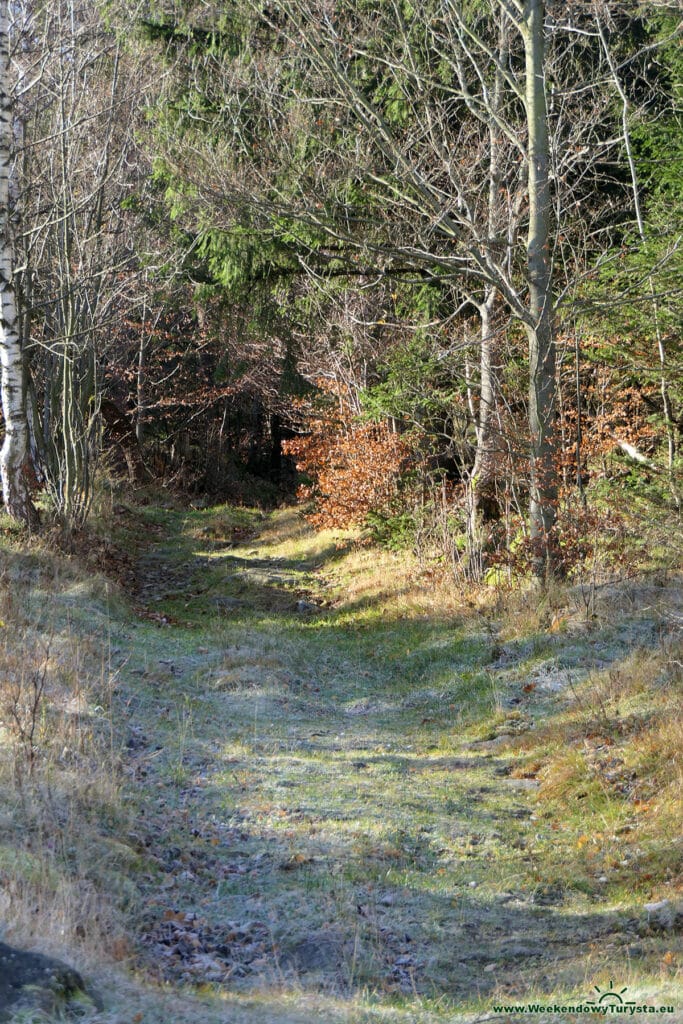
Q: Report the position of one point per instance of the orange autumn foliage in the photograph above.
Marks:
(354, 467)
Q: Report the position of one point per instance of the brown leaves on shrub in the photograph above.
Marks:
(354, 467)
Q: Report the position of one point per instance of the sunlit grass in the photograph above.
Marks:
(364, 763)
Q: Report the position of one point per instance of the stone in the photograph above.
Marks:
(663, 916)
(38, 983)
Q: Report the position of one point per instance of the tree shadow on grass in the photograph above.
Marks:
(413, 935)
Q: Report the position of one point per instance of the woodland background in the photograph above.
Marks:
(252, 239)
(330, 328)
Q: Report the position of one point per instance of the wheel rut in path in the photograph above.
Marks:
(309, 818)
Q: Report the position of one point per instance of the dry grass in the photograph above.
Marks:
(59, 794)
(343, 743)
(634, 705)
(610, 761)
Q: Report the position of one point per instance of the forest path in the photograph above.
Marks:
(326, 804)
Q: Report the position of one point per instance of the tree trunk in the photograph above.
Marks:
(481, 499)
(13, 453)
(487, 459)
(542, 377)
(481, 496)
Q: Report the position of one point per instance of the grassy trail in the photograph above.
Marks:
(336, 796)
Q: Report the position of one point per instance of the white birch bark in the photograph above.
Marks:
(13, 453)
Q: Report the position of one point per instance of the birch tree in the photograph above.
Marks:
(13, 454)
(79, 264)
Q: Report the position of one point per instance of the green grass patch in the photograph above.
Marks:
(348, 796)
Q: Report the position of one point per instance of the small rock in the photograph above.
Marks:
(306, 607)
(34, 982)
(663, 916)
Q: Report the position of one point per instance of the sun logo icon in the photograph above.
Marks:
(610, 997)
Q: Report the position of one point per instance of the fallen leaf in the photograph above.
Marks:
(297, 861)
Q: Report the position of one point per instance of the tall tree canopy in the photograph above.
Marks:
(447, 210)
(473, 146)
